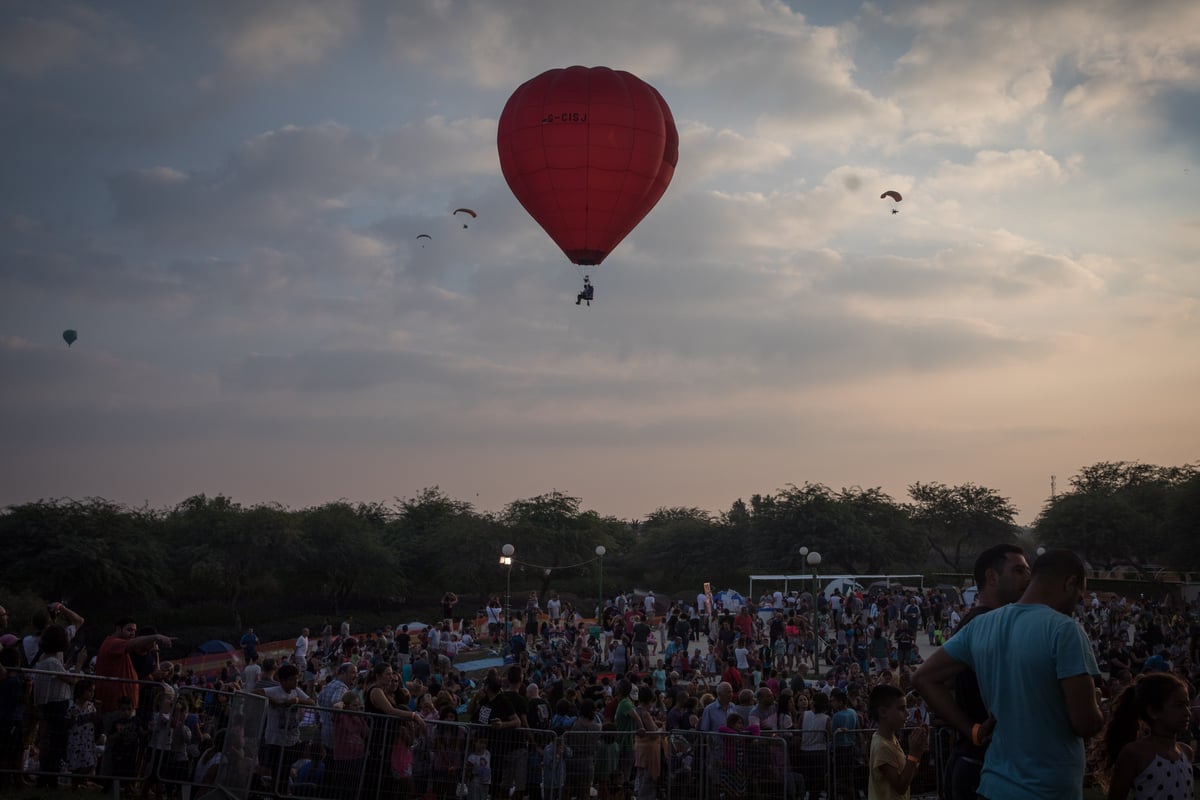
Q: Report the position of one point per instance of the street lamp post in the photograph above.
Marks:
(600, 551)
(814, 560)
(506, 561)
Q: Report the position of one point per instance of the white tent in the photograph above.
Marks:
(806, 582)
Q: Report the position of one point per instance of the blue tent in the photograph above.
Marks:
(213, 646)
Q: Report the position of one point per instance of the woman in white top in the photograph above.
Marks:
(817, 727)
(53, 694)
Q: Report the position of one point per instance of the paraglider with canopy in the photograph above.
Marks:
(588, 151)
(458, 211)
(895, 197)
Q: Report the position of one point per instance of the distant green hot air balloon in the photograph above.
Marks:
(69, 336)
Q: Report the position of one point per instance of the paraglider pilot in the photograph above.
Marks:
(588, 291)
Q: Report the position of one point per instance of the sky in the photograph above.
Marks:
(222, 198)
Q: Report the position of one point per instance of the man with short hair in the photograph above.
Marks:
(1035, 668)
(712, 719)
(300, 651)
(514, 769)
(113, 661)
(449, 601)
(715, 713)
(251, 674)
(282, 731)
(1002, 576)
(905, 642)
(329, 697)
(422, 670)
(249, 643)
(403, 642)
(268, 678)
(641, 645)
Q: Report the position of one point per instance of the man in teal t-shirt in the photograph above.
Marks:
(1035, 666)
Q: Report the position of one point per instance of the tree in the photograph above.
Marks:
(678, 546)
(231, 550)
(345, 553)
(1116, 512)
(875, 533)
(1182, 524)
(549, 532)
(1095, 526)
(956, 520)
(92, 552)
(445, 543)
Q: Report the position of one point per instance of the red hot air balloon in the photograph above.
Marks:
(588, 152)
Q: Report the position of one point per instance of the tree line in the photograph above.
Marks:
(214, 553)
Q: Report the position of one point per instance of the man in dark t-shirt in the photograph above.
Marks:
(513, 760)
(1002, 574)
(904, 643)
(641, 645)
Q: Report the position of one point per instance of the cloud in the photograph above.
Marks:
(995, 171)
(278, 184)
(286, 180)
(974, 69)
(708, 153)
(269, 39)
(63, 35)
(238, 255)
(751, 54)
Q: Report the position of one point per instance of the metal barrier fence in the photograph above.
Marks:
(370, 755)
(113, 733)
(205, 743)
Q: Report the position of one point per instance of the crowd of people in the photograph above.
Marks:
(826, 696)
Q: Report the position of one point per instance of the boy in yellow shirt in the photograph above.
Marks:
(891, 771)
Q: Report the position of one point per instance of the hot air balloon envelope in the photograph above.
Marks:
(69, 336)
(588, 152)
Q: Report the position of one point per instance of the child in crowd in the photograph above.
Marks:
(350, 735)
(479, 768)
(733, 776)
(426, 708)
(83, 733)
(554, 768)
(1155, 765)
(891, 770)
(176, 765)
(159, 747)
(121, 741)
